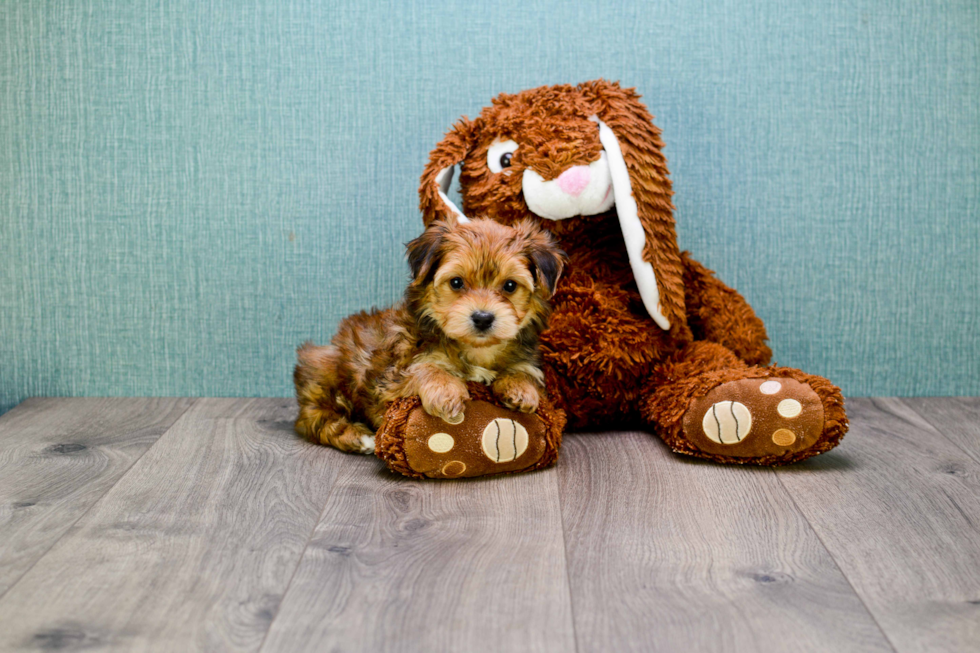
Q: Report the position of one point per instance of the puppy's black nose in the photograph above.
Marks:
(482, 320)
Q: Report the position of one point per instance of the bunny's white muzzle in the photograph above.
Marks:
(580, 190)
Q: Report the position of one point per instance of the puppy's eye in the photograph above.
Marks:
(456, 283)
(510, 286)
(500, 154)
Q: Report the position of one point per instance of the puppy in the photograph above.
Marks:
(473, 311)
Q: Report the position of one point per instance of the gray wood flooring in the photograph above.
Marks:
(206, 524)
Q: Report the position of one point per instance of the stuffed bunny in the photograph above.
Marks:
(641, 333)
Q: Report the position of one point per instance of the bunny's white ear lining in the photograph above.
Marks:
(629, 222)
(444, 179)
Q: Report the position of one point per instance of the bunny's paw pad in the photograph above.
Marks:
(751, 418)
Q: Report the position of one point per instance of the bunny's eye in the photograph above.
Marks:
(500, 154)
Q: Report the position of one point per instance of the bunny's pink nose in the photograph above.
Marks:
(574, 180)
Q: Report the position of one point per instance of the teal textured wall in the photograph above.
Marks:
(190, 189)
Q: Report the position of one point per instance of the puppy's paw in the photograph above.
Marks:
(445, 400)
(352, 437)
(367, 444)
(517, 393)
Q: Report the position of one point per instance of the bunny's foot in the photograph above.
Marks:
(755, 418)
(742, 414)
(490, 439)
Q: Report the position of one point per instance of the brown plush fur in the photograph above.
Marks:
(606, 362)
(431, 344)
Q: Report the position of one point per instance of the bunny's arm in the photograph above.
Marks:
(717, 313)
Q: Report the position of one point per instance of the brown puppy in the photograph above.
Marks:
(473, 312)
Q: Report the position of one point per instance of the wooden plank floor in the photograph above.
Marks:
(184, 525)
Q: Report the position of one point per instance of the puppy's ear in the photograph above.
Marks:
(438, 174)
(642, 189)
(425, 251)
(546, 260)
(548, 264)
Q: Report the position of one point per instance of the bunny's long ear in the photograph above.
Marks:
(642, 189)
(438, 174)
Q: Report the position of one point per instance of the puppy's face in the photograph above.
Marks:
(481, 295)
(482, 282)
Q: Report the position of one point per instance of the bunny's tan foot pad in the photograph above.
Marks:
(756, 419)
(490, 440)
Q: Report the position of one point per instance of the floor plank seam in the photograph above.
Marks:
(299, 563)
(847, 578)
(564, 549)
(96, 502)
(940, 431)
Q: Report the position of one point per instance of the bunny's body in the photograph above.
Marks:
(641, 333)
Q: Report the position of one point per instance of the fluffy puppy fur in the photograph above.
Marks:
(477, 302)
